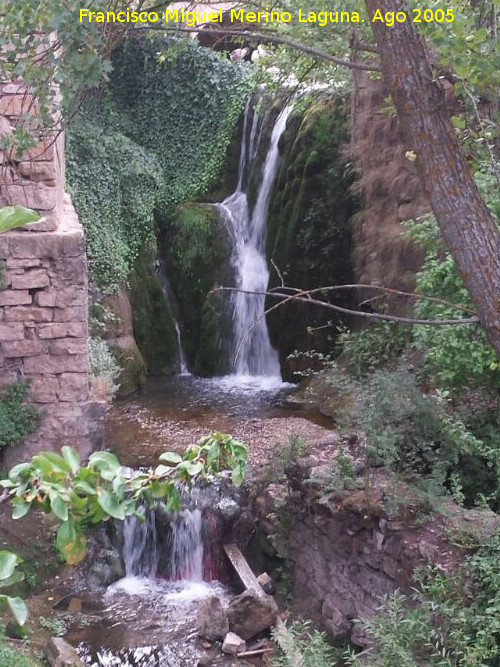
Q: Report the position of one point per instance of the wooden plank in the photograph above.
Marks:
(243, 569)
(249, 580)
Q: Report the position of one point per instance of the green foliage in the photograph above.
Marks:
(377, 345)
(197, 254)
(8, 577)
(80, 495)
(457, 356)
(12, 657)
(114, 183)
(449, 621)
(56, 626)
(410, 432)
(312, 645)
(157, 137)
(16, 419)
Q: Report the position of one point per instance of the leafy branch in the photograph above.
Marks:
(83, 495)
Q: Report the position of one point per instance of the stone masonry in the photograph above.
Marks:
(43, 294)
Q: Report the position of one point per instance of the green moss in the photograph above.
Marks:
(197, 252)
(153, 326)
(309, 232)
(17, 420)
(134, 369)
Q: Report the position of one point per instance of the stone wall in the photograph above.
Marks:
(345, 550)
(43, 293)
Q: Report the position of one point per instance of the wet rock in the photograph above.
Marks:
(233, 644)
(267, 583)
(251, 613)
(60, 654)
(211, 621)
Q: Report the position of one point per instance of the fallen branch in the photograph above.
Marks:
(259, 651)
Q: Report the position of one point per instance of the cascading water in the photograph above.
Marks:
(167, 293)
(253, 354)
(179, 557)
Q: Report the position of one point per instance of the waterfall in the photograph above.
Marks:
(181, 553)
(253, 354)
(167, 293)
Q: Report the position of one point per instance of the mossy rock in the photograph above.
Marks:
(153, 326)
(196, 249)
(309, 232)
(129, 357)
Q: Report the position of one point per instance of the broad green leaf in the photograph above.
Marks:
(238, 474)
(17, 607)
(192, 468)
(170, 457)
(19, 508)
(17, 471)
(16, 216)
(71, 543)
(8, 562)
(84, 487)
(110, 505)
(72, 457)
(15, 578)
(107, 464)
(163, 470)
(58, 505)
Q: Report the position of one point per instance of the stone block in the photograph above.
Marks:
(23, 348)
(42, 151)
(69, 363)
(15, 298)
(34, 279)
(68, 270)
(62, 330)
(37, 171)
(16, 105)
(28, 314)
(13, 331)
(68, 346)
(51, 244)
(44, 390)
(13, 88)
(60, 654)
(12, 263)
(233, 644)
(71, 296)
(33, 195)
(73, 387)
(45, 298)
(76, 314)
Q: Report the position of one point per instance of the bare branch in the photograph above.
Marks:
(270, 39)
(304, 297)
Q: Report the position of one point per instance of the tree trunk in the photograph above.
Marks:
(468, 228)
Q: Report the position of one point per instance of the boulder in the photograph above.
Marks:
(60, 654)
(267, 583)
(211, 621)
(233, 644)
(251, 613)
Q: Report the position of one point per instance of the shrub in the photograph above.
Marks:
(16, 419)
(104, 369)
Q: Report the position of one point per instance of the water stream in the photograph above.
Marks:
(252, 354)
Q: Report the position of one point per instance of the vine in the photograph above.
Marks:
(155, 138)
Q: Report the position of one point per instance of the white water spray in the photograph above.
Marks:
(253, 354)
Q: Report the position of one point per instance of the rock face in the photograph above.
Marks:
(251, 613)
(212, 622)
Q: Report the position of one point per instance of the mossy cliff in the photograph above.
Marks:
(309, 233)
(196, 250)
(153, 325)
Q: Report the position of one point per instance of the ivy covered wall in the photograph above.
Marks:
(154, 138)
